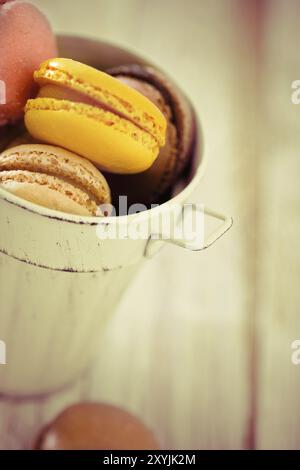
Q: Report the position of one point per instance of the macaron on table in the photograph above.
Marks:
(85, 122)
(95, 426)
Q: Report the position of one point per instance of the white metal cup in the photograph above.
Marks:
(59, 282)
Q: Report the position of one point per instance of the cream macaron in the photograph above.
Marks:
(54, 178)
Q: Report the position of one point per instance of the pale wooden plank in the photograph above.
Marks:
(279, 255)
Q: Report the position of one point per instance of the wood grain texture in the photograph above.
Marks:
(180, 350)
(278, 303)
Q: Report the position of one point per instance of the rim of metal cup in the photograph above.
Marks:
(92, 220)
(91, 45)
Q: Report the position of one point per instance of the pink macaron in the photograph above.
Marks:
(26, 40)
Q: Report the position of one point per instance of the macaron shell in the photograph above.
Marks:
(54, 178)
(153, 185)
(58, 162)
(147, 187)
(26, 40)
(22, 139)
(184, 115)
(49, 192)
(92, 133)
(8, 134)
(105, 89)
(92, 426)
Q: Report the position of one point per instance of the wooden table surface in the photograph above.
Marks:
(200, 346)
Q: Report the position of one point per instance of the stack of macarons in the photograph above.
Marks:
(91, 136)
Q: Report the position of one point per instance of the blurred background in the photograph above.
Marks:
(200, 347)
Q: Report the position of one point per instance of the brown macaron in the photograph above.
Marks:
(10, 133)
(151, 185)
(95, 426)
(23, 138)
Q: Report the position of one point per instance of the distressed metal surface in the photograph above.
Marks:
(58, 285)
(51, 322)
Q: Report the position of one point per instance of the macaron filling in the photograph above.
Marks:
(10, 180)
(49, 164)
(18, 175)
(62, 92)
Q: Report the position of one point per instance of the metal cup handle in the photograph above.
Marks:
(192, 245)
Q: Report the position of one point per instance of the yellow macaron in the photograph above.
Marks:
(95, 115)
